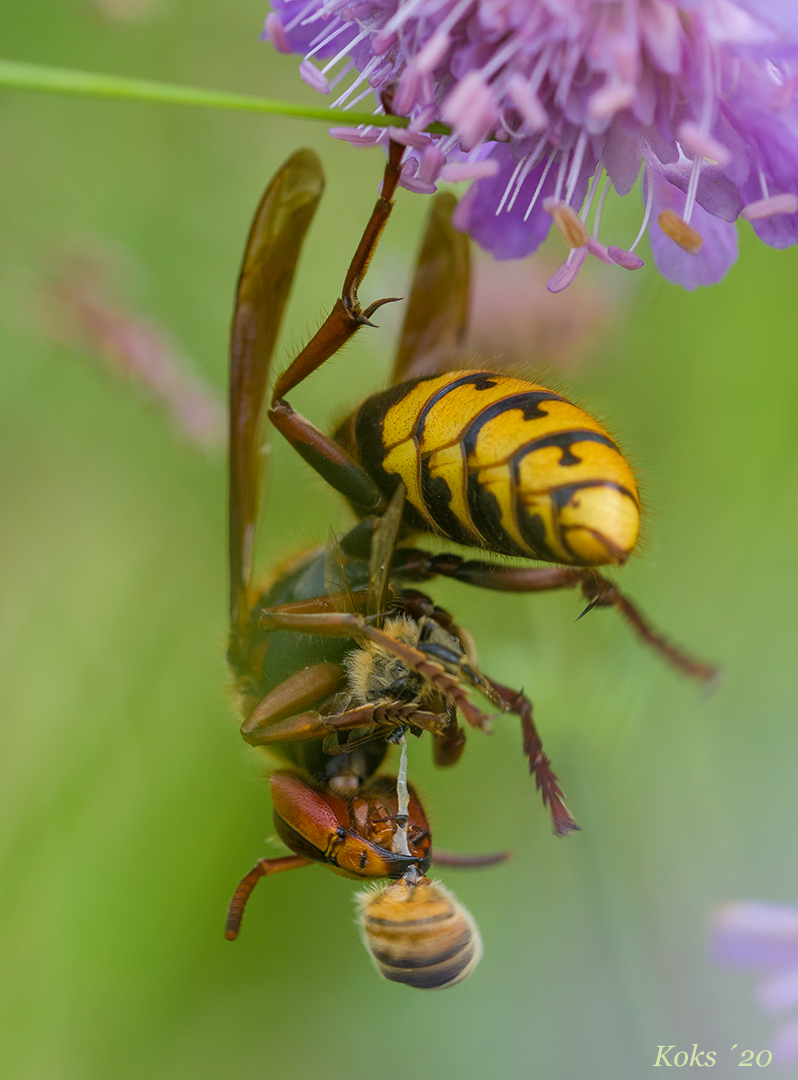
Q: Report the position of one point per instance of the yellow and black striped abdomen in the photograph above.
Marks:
(502, 464)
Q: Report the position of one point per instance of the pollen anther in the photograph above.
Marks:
(785, 203)
(567, 221)
(677, 229)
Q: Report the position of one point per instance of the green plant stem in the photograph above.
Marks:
(88, 84)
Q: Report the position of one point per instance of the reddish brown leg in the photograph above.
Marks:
(539, 764)
(469, 862)
(347, 316)
(327, 458)
(313, 725)
(417, 565)
(320, 605)
(264, 868)
(296, 693)
(345, 624)
(602, 593)
(449, 744)
(345, 319)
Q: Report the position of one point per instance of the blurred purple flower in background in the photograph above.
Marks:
(764, 936)
(546, 98)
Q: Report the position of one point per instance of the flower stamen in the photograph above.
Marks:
(339, 56)
(362, 77)
(474, 170)
(528, 104)
(403, 13)
(680, 231)
(610, 99)
(561, 173)
(572, 229)
(356, 100)
(703, 93)
(702, 144)
(501, 58)
(274, 32)
(594, 185)
(531, 161)
(772, 206)
(692, 188)
(627, 259)
(299, 18)
(342, 74)
(310, 74)
(430, 164)
(470, 110)
(510, 183)
(563, 277)
(600, 207)
(325, 39)
(576, 165)
(598, 249)
(647, 214)
(544, 174)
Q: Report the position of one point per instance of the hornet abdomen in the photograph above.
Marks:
(502, 464)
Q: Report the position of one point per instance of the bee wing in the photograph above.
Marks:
(336, 582)
(437, 312)
(383, 545)
(275, 240)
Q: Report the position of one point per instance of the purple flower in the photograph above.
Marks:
(764, 936)
(553, 101)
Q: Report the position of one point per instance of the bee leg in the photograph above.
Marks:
(264, 868)
(469, 862)
(347, 316)
(314, 725)
(346, 624)
(380, 720)
(419, 605)
(448, 745)
(416, 565)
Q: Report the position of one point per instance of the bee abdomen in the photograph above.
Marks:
(419, 934)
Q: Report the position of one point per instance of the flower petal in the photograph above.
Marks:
(785, 1044)
(755, 934)
(622, 157)
(717, 254)
(782, 14)
(779, 991)
(716, 192)
(563, 277)
(705, 91)
(506, 235)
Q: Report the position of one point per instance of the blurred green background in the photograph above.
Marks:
(129, 805)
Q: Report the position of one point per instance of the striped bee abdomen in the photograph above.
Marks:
(502, 464)
(419, 934)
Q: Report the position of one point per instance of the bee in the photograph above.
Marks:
(487, 460)
(335, 660)
(333, 806)
(443, 946)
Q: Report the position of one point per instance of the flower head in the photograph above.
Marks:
(546, 98)
(764, 936)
